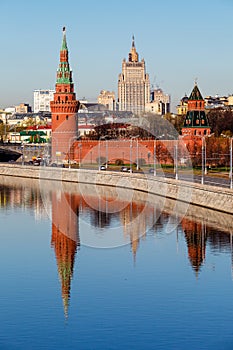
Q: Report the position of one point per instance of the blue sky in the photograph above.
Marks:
(179, 40)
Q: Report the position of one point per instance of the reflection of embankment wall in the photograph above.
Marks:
(209, 197)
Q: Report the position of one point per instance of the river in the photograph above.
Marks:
(88, 267)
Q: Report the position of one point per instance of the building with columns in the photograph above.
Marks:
(133, 84)
(64, 109)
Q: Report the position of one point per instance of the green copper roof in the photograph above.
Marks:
(64, 74)
(196, 119)
(64, 43)
(195, 94)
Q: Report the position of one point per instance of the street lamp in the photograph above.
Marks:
(231, 160)
(22, 146)
(80, 155)
(103, 138)
(231, 163)
(203, 155)
(203, 162)
(71, 140)
(155, 157)
(176, 159)
(155, 160)
(131, 146)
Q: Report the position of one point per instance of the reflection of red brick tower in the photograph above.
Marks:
(196, 242)
(64, 108)
(65, 240)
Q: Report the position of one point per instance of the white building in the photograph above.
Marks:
(42, 100)
(133, 84)
(107, 98)
(160, 102)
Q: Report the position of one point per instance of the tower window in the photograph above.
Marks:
(67, 117)
(57, 117)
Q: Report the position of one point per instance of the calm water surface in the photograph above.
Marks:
(80, 271)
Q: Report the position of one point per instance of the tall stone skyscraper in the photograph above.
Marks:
(133, 84)
(64, 108)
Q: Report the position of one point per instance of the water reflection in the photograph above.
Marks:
(137, 218)
(65, 239)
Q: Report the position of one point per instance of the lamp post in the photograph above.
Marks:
(231, 163)
(22, 146)
(130, 155)
(203, 156)
(205, 147)
(202, 159)
(106, 150)
(176, 159)
(80, 154)
(231, 160)
(155, 158)
(131, 146)
(71, 140)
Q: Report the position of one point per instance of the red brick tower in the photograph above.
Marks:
(196, 122)
(64, 109)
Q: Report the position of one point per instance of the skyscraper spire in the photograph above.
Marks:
(133, 45)
(133, 55)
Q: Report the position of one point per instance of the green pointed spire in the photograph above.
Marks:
(64, 73)
(195, 94)
(64, 43)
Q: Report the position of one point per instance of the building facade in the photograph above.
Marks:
(159, 103)
(42, 100)
(23, 108)
(64, 109)
(133, 84)
(107, 98)
(182, 107)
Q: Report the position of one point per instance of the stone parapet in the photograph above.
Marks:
(211, 197)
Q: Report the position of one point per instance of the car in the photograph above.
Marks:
(125, 169)
(102, 167)
(36, 162)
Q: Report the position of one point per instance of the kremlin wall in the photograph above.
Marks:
(67, 146)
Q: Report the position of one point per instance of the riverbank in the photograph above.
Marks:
(210, 197)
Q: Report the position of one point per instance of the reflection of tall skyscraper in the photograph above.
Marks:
(134, 224)
(195, 235)
(65, 240)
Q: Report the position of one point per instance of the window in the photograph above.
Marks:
(67, 117)
(57, 117)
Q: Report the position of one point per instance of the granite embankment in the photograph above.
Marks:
(210, 197)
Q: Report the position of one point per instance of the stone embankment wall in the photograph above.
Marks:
(211, 197)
